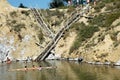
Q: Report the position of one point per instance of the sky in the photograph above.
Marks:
(43, 4)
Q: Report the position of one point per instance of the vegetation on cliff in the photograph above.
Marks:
(100, 20)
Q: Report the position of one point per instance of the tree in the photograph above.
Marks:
(56, 3)
(65, 0)
(22, 6)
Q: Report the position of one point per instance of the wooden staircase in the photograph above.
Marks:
(75, 16)
(38, 16)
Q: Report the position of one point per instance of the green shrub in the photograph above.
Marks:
(77, 26)
(75, 46)
(25, 12)
(18, 27)
(114, 35)
(116, 43)
(98, 20)
(109, 1)
(118, 24)
(40, 36)
(13, 21)
(13, 14)
(110, 18)
(83, 33)
(71, 9)
(105, 20)
(102, 3)
(87, 31)
(90, 44)
(99, 6)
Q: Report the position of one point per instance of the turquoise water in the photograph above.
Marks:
(64, 71)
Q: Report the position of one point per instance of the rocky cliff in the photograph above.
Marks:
(94, 40)
(18, 33)
(97, 39)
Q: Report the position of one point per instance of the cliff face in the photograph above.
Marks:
(103, 46)
(19, 33)
(98, 39)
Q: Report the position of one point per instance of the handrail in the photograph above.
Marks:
(75, 16)
(40, 20)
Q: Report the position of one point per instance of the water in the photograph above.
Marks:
(64, 71)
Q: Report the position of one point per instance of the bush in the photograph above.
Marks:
(83, 33)
(40, 36)
(116, 43)
(18, 27)
(98, 20)
(114, 35)
(71, 9)
(102, 3)
(13, 14)
(87, 31)
(14, 21)
(25, 12)
(110, 18)
(118, 24)
(105, 20)
(109, 1)
(99, 6)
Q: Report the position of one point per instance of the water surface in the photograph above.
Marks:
(65, 71)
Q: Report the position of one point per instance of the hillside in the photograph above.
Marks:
(95, 40)
(17, 34)
(20, 34)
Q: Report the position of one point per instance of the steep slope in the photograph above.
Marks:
(5, 6)
(18, 33)
(97, 40)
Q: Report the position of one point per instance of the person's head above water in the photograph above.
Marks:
(25, 66)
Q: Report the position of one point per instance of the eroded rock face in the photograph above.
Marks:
(64, 45)
(17, 33)
(20, 43)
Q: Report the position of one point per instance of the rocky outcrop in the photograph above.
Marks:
(18, 33)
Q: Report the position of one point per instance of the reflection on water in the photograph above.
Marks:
(64, 71)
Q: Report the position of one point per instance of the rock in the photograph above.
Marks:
(98, 63)
(117, 63)
(53, 57)
(107, 63)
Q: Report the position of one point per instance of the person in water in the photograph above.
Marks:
(34, 67)
(26, 68)
(8, 60)
(40, 67)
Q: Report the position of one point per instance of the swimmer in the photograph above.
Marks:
(40, 67)
(25, 68)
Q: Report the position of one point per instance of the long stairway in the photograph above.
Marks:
(38, 16)
(75, 16)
